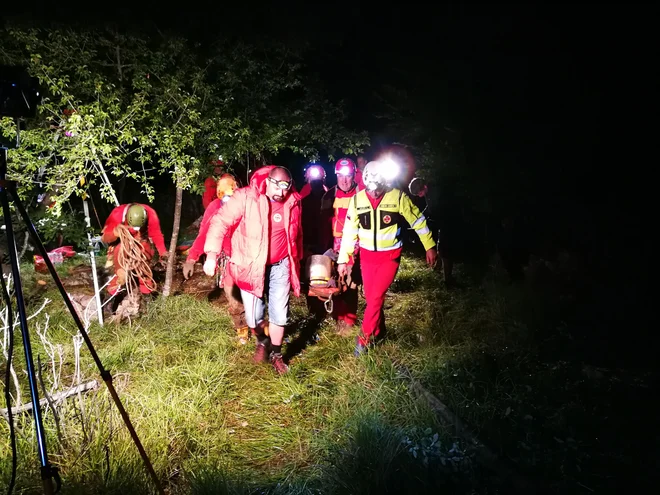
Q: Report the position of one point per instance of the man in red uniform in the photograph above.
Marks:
(211, 185)
(266, 248)
(226, 187)
(143, 223)
(374, 219)
(338, 198)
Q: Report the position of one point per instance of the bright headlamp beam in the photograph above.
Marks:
(390, 169)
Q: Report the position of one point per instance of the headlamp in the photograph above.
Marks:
(345, 170)
(314, 173)
(390, 169)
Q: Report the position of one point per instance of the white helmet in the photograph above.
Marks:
(372, 176)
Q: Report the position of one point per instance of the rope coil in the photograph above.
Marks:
(132, 259)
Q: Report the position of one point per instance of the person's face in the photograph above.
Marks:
(376, 193)
(274, 190)
(344, 182)
(217, 171)
(361, 163)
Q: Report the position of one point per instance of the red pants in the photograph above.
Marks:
(346, 306)
(378, 272)
(148, 251)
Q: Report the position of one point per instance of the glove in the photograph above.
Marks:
(210, 264)
(121, 276)
(188, 269)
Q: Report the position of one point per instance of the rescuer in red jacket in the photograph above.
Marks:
(143, 224)
(226, 187)
(337, 200)
(211, 185)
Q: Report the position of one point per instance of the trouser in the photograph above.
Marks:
(278, 286)
(346, 304)
(377, 278)
(113, 254)
(233, 295)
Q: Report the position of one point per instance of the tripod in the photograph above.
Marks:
(48, 472)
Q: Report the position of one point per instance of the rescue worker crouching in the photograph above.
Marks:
(225, 189)
(143, 224)
(373, 219)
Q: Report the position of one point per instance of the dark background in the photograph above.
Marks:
(550, 106)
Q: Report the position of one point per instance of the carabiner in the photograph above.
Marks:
(328, 305)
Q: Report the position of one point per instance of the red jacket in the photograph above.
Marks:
(210, 191)
(197, 248)
(248, 212)
(118, 217)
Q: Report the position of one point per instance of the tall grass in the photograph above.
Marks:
(213, 422)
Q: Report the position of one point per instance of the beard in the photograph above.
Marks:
(277, 198)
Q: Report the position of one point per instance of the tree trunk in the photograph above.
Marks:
(171, 261)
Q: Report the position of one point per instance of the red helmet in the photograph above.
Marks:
(345, 166)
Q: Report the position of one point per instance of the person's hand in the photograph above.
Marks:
(348, 277)
(188, 269)
(210, 264)
(342, 270)
(431, 257)
(162, 261)
(121, 276)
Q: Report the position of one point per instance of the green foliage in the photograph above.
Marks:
(116, 105)
(69, 225)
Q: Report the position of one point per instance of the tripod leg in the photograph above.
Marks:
(105, 374)
(46, 468)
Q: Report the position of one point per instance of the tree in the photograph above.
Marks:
(114, 103)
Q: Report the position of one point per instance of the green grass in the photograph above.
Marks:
(213, 422)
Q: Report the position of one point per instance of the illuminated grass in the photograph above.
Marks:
(213, 422)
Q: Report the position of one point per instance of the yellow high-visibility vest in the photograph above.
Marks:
(380, 229)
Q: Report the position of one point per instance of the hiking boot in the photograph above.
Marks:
(260, 353)
(344, 329)
(360, 348)
(278, 363)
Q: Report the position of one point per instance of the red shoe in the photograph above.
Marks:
(260, 353)
(278, 363)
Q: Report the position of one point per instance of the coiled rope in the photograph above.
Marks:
(134, 261)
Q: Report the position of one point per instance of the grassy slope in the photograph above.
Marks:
(213, 422)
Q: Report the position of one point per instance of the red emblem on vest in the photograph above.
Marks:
(387, 219)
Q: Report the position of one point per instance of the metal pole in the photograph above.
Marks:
(105, 374)
(92, 258)
(46, 468)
